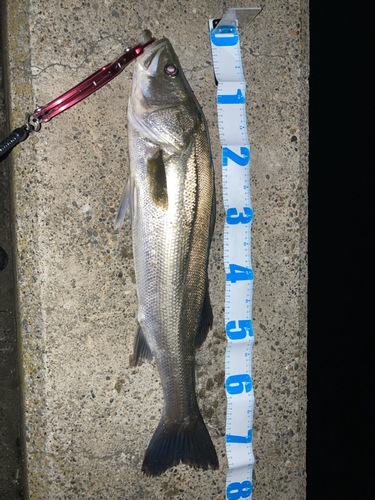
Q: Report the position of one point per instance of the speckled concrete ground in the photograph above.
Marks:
(89, 413)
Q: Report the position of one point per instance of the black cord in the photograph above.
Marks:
(18, 135)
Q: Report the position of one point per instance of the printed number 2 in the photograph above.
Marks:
(241, 218)
(242, 159)
(235, 491)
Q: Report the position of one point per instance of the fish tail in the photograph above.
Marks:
(188, 442)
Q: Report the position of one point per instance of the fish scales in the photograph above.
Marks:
(172, 199)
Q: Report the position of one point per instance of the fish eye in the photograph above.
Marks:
(171, 70)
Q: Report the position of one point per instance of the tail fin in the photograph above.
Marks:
(188, 442)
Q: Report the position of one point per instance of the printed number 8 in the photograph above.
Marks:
(239, 490)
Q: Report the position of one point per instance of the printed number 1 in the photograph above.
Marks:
(231, 99)
(235, 384)
(235, 491)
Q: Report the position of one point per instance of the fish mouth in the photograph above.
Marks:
(149, 59)
(144, 99)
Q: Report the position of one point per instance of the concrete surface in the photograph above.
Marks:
(89, 414)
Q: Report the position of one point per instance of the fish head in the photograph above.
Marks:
(162, 105)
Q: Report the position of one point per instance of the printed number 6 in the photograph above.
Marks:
(243, 219)
(235, 491)
(239, 332)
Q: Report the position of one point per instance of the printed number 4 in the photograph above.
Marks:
(235, 491)
(239, 273)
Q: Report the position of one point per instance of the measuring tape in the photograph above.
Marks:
(226, 55)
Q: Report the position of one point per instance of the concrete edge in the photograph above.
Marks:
(304, 181)
(18, 91)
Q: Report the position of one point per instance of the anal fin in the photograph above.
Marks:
(142, 351)
(206, 320)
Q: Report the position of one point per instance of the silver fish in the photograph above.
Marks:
(171, 197)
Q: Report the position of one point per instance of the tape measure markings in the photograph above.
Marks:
(237, 259)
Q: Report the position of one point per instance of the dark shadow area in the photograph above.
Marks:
(11, 469)
(341, 336)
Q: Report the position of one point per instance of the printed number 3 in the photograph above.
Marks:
(235, 491)
(241, 218)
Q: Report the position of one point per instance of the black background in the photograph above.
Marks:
(341, 347)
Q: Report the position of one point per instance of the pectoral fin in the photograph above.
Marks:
(157, 180)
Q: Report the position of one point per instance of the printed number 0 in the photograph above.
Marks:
(235, 491)
(225, 41)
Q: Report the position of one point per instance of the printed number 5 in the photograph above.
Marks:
(235, 491)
